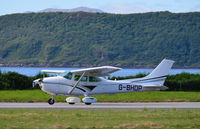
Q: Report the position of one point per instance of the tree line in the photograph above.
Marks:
(178, 82)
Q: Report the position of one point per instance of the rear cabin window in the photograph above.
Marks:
(68, 76)
(94, 79)
(84, 79)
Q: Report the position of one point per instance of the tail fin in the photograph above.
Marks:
(160, 73)
(157, 76)
(162, 69)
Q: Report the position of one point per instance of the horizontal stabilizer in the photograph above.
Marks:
(160, 87)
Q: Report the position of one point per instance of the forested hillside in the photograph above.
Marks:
(92, 39)
(178, 82)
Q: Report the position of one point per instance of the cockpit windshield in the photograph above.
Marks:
(67, 75)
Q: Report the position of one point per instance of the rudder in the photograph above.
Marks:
(162, 69)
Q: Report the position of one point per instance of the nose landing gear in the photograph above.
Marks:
(51, 101)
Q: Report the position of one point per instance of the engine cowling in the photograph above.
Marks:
(89, 100)
(37, 82)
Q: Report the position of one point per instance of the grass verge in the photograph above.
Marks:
(154, 96)
(27, 118)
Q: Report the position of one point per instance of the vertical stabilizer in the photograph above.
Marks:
(162, 69)
(157, 77)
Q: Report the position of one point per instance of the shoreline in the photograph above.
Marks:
(88, 66)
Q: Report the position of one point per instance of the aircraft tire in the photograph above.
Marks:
(51, 101)
(71, 103)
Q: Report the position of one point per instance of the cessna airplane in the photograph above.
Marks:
(90, 81)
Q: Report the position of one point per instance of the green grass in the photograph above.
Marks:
(154, 96)
(27, 118)
(27, 96)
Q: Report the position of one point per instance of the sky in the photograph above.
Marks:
(110, 6)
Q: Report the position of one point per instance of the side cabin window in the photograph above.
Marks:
(76, 77)
(84, 78)
(94, 79)
(68, 76)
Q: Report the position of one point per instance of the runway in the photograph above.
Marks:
(103, 106)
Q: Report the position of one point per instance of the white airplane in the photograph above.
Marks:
(90, 81)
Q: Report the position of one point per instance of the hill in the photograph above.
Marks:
(92, 39)
(79, 9)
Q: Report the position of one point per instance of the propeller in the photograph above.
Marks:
(37, 82)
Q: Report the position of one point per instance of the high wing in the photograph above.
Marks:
(53, 71)
(97, 71)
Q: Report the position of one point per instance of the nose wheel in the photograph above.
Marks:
(51, 101)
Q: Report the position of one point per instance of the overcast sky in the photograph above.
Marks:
(111, 6)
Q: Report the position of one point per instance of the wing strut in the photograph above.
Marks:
(76, 83)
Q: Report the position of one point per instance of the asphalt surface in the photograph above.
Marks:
(103, 106)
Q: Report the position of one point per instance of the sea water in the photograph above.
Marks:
(32, 71)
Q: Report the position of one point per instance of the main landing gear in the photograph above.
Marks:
(89, 100)
(72, 100)
(51, 101)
